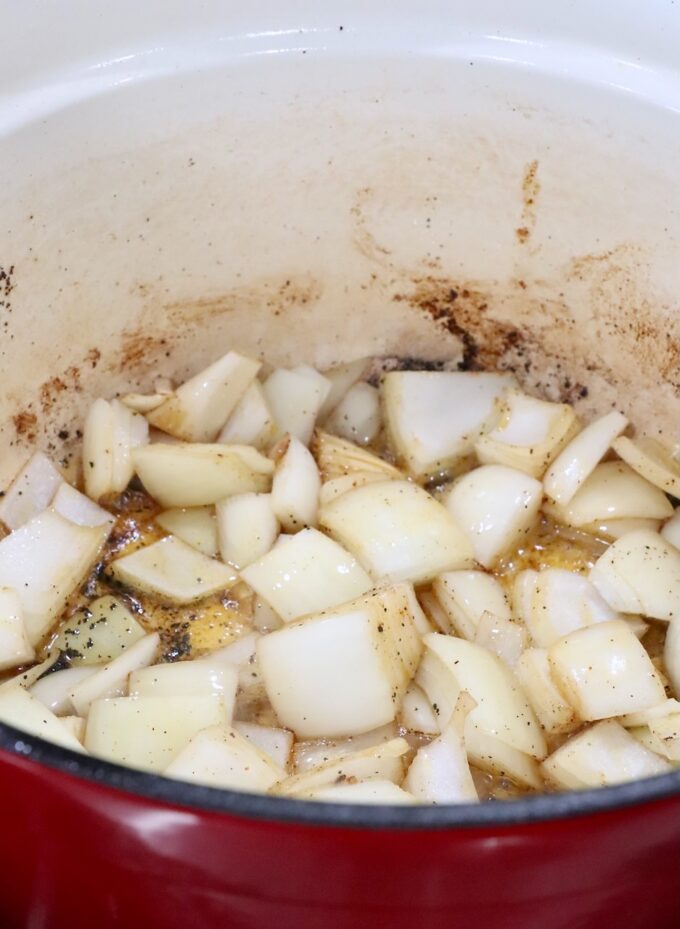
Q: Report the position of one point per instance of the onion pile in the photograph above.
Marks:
(391, 630)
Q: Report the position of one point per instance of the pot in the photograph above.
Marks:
(480, 182)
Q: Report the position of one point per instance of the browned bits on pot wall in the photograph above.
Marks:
(26, 424)
(530, 191)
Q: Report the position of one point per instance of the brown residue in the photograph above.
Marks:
(140, 350)
(26, 424)
(51, 390)
(530, 191)
(522, 234)
(93, 357)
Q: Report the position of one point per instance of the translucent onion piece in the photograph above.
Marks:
(547, 701)
(223, 757)
(666, 708)
(652, 460)
(111, 433)
(311, 754)
(194, 525)
(667, 730)
(671, 530)
(416, 712)
(338, 457)
(97, 633)
(340, 485)
(149, 732)
(247, 528)
(111, 680)
(295, 399)
(251, 421)
(15, 649)
(375, 790)
(434, 417)
(503, 637)
(575, 462)
(44, 561)
(27, 678)
(265, 619)
(495, 506)
(344, 671)
(173, 571)
(465, 596)
(604, 671)
(205, 678)
(602, 754)
(53, 690)
(357, 416)
(397, 531)
(492, 754)
(529, 435)
(440, 773)
(75, 725)
(671, 653)
(79, 509)
(341, 378)
(31, 491)
(613, 529)
(640, 573)
(555, 602)
(451, 665)
(181, 475)
(276, 744)
(295, 488)
(199, 408)
(380, 761)
(306, 573)
(613, 491)
(22, 710)
(143, 403)
(240, 654)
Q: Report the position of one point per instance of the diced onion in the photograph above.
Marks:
(194, 525)
(247, 528)
(341, 378)
(380, 761)
(338, 457)
(31, 491)
(111, 434)
(671, 530)
(310, 754)
(666, 708)
(251, 421)
(79, 509)
(22, 710)
(206, 678)
(547, 701)
(667, 730)
(295, 488)
(575, 462)
(465, 596)
(397, 531)
(15, 648)
(652, 460)
(503, 637)
(440, 773)
(276, 744)
(375, 790)
(111, 680)
(495, 506)
(53, 690)
(357, 416)
(491, 754)
(97, 633)
(295, 400)
(416, 712)
(340, 485)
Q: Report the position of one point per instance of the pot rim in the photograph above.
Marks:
(529, 810)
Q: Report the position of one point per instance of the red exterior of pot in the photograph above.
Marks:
(79, 855)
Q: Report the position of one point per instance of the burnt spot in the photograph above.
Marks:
(26, 425)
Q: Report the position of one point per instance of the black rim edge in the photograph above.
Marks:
(304, 812)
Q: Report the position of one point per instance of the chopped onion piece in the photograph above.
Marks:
(489, 753)
(671, 529)
(194, 525)
(502, 637)
(416, 711)
(671, 653)
(209, 677)
(380, 761)
(75, 725)
(15, 649)
(276, 744)
(295, 488)
(341, 378)
(651, 459)
(247, 528)
(144, 403)
(397, 531)
(613, 491)
(22, 710)
(97, 633)
(251, 421)
(44, 561)
(575, 462)
(149, 732)
(54, 689)
(547, 701)
(340, 485)
(604, 671)
(602, 754)
(265, 618)
(357, 416)
(495, 506)
(465, 596)
(182, 475)
(451, 665)
(440, 773)
(375, 790)
(240, 654)
(666, 708)
(295, 400)
(31, 491)
(613, 529)
(555, 602)
(529, 435)
(311, 754)
(222, 757)
(434, 418)
(200, 406)
(338, 457)
(306, 573)
(111, 433)
(79, 509)
(436, 616)
(173, 571)
(640, 573)
(344, 671)
(667, 730)
(111, 680)
(27, 678)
